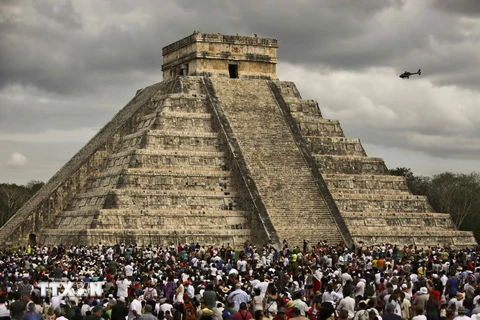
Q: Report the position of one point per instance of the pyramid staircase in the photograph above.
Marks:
(377, 207)
(292, 198)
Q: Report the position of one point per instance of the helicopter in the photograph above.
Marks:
(406, 74)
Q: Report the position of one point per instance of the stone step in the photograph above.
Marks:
(398, 219)
(146, 236)
(189, 179)
(186, 159)
(379, 202)
(300, 107)
(180, 199)
(288, 89)
(168, 218)
(148, 118)
(368, 191)
(422, 238)
(186, 104)
(183, 140)
(335, 146)
(315, 126)
(94, 199)
(207, 220)
(337, 164)
(189, 121)
(375, 197)
(375, 184)
(159, 218)
(109, 181)
(147, 121)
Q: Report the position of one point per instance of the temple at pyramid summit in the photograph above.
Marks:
(219, 152)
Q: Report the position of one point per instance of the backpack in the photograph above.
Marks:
(370, 290)
(189, 311)
(363, 315)
(148, 295)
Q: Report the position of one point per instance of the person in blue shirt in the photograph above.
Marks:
(31, 314)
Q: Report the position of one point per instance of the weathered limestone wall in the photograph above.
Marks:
(246, 69)
(210, 54)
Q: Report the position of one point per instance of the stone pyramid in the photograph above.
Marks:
(222, 152)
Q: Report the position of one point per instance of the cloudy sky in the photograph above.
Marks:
(66, 67)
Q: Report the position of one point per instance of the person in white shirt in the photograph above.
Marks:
(360, 288)
(122, 287)
(135, 309)
(347, 303)
(129, 270)
(164, 306)
(330, 296)
(299, 303)
(242, 266)
(263, 286)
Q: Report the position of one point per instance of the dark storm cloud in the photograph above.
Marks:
(60, 50)
(66, 67)
(61, 12)
(433, 142)
(359, 35)
(463, 7)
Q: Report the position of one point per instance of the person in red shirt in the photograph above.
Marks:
(243, 313)
(280, 314)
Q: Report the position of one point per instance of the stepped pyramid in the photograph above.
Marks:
(223, 152)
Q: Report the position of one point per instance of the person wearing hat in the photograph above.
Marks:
(295, 314)
(456, 302)
(421, 298)
(462, 314)
(289, 306)
(150, 292)
(312, 313)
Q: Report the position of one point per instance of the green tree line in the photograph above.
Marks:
(454, 193)
(13, 196)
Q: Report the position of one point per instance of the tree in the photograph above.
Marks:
(419, 185)
(13, 197)
(454, 193)
(459, 195)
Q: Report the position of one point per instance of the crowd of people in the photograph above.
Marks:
(190, 282)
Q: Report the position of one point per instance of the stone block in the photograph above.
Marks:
(350, 165)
